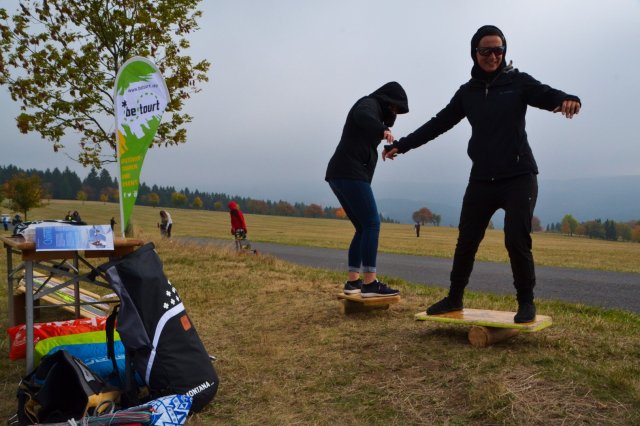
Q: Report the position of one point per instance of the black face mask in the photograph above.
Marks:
(388, 116)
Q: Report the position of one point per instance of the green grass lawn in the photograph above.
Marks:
(287, 354)
(549, 249)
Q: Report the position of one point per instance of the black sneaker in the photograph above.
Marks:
(444, 306)
(352, 287)
(377, 289)
(526, 313)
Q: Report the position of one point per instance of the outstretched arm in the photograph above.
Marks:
(444, 120)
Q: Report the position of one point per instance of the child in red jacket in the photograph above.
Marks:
(238, 225)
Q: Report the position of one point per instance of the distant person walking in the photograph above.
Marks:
(169, 224)
(503, 172)
(349, 174)
(417, 226)
(166, 224)
(5, 222)
(238, 224)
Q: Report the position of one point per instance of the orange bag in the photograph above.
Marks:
(18, 333)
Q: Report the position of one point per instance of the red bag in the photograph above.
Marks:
(18, 333)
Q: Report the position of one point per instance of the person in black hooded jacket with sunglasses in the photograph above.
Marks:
(504, 171)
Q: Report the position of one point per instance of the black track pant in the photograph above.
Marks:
(517, 197)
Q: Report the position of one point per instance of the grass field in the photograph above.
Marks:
(287, 354)
(549, 249)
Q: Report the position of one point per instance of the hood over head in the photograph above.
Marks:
(486, 30)
(392, 93)
(232, 205)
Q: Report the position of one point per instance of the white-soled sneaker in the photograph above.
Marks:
(377, 289)
(352, 287)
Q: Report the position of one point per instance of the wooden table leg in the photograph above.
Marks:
(28, 277)
(10, 305)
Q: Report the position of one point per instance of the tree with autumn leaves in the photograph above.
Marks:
(24, 192)
(59, 60)
(569, 224)
(424, 216)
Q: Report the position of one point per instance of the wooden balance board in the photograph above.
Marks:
(356, 303)
(488, 327)
(65, 295)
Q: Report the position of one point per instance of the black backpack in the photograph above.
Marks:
(61, 388)
(161, 343)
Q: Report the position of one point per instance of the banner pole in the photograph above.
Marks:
(119, 165)
(122, 230)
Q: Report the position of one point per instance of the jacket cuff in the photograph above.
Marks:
(399, 147)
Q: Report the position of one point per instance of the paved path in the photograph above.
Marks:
(596, 288)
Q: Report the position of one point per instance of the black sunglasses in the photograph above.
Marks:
(486, 51)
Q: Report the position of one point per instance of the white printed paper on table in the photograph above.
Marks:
(74, 237)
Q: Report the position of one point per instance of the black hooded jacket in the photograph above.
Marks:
(495, 105)
(356, 155)
(496, 110)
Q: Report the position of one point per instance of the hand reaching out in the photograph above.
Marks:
(568, 108)
(390, 154)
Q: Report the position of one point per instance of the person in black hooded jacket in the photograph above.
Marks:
(504, 171)
(349, 174)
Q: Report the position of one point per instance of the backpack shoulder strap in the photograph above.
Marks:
(109, 330)
(128, 384)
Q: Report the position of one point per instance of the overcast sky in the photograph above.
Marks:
(285, 72)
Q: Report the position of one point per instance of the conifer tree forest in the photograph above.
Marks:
(100, 186)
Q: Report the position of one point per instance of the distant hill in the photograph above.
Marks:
(616, 198)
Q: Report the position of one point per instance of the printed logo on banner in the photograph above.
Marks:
(141, 96)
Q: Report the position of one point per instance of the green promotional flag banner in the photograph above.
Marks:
(141, 97)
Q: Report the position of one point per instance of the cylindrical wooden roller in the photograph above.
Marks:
(354, 307)
(481, 337)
